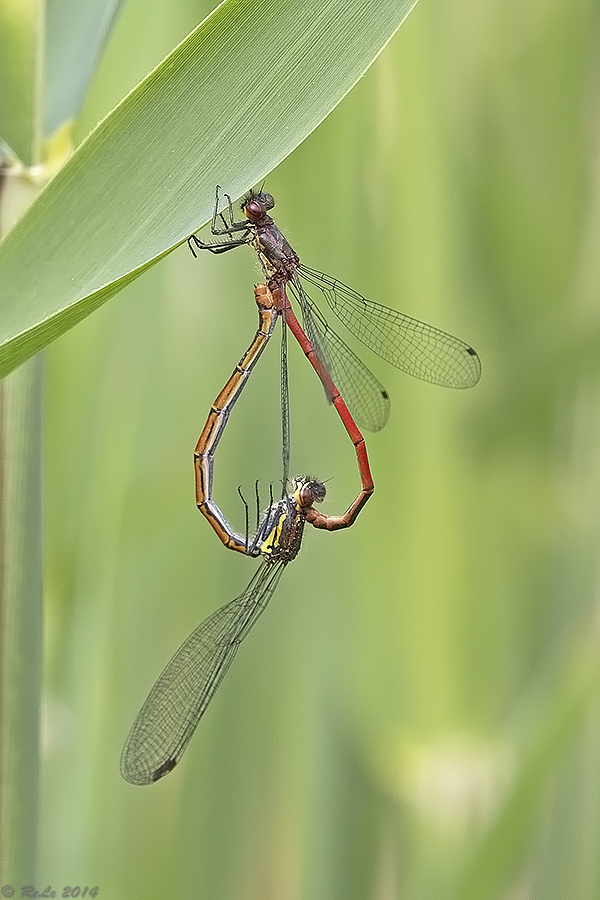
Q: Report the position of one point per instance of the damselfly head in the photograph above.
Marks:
(256, 203)
(308, 491)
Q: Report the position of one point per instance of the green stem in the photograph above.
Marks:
(20, 621)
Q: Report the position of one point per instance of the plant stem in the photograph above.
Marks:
(20, 620)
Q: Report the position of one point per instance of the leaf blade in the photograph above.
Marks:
(120, 203)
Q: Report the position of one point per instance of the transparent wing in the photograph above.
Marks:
(285, 412)
(167, 720)
(363, 393)
(412, 346)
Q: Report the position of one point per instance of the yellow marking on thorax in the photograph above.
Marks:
(272, 542)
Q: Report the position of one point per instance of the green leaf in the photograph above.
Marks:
(226, 106)
(21, 33)
(76, 35)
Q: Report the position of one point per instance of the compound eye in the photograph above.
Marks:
(311, 492)
(305, 495)
(253, 209)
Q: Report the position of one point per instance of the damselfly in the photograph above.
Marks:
(174, 706)
(414, 347)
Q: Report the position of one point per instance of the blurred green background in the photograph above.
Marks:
(417, 714)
